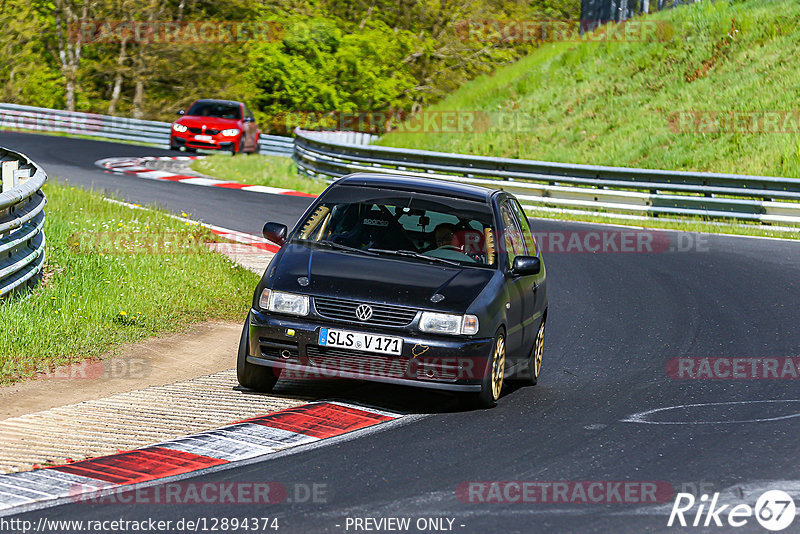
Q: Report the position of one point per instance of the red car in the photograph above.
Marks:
(215, 125)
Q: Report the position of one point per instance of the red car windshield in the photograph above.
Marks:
(215, 109)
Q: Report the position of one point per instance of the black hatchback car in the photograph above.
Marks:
(401, 280)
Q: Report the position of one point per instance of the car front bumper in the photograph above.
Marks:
(437, 362)
(186, 139)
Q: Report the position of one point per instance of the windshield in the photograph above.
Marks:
(419, 231)
(215, 109)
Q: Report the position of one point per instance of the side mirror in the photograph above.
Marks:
(526, 265)
(181, 112)
(275, 232)
(249, 119)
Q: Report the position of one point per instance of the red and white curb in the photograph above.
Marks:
(245, 440)
(134, 166)
(244, 238)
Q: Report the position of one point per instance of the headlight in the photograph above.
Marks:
(179, 127)
(444, 323)
(280, 302)
(230, 132)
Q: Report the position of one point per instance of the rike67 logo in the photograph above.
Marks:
(774, 510)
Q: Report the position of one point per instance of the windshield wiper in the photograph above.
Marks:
(412, 254)
(339, 246)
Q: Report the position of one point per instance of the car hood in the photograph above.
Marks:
(378, 278)
(216, 123)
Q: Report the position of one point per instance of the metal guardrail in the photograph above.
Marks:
(111, 128)
(627, 192)
(21, 220)
(345, 137)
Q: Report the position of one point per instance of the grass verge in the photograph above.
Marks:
(114, 275)
(710, 95)
(258, 169)
(697, 100)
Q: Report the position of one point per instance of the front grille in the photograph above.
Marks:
(334, 361)
(382, 315)
(200, 131)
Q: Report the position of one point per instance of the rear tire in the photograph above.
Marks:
(492, 383)
(252, 376)
(530, 375)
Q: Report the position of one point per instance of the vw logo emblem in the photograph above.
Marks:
(363, 313)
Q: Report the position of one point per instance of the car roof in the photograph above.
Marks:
(420, 185)
(233, 102)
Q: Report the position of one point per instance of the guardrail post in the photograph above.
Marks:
(9, 175)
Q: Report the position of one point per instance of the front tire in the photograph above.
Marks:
(252, 376)
(492, 383)
(238, 149)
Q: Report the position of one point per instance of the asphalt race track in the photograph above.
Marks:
(72, 160)
(616, 320)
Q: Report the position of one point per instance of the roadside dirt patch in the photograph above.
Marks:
(203, 349)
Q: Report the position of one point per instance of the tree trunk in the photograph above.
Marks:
(138, 99)
(117, 89)
(69, 54)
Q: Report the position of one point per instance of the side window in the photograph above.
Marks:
(527, 236)
(247, 113)
(515, 245)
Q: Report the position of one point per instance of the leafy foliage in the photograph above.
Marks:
(333, 55)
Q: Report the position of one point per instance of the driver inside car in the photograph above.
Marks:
(444, 237)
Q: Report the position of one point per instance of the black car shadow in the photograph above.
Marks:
(390, 397)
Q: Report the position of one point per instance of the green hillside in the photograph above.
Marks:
(620, 103)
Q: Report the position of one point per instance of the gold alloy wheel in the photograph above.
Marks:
(498, 366)
(538, 351)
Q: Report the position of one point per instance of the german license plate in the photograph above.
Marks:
(344, 339)
(203, 138)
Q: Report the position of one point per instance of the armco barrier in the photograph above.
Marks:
(21, 219)
(562, 186)
(111, 128)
